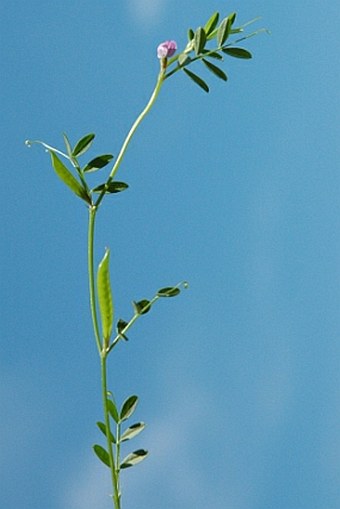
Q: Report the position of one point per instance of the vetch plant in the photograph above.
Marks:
(207, 45)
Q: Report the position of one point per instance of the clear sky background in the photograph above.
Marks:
(236, 191)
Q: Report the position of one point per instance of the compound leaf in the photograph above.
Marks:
(66, 176)
(67, 145)
(223, 32)
(132, 431)
(121, 324)
(183, 59)
(129, 406)
(102, 428)
(211, 23)
(142, 307)
(83, 145)
(113, 410)
(111, 188)
(237, 52)
(134, 458)
(191, 34)
(102, 454)
(201, 83)
(215, 70)
(200, 39)
(212, 54)
(98, 162)
(169, 291)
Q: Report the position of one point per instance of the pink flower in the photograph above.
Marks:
(166, 49)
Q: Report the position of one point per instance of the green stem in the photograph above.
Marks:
(103, 356)
(103, 352)
(141, 116)
(118, 442)
(81, 175)
(135, 317)
(114, 467)
(92, 291)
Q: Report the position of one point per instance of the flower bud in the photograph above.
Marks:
(166, 49)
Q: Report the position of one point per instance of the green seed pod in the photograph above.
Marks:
(105, 297)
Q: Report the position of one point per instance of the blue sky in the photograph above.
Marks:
(236, 191)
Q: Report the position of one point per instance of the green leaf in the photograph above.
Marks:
(212, 54)
(232, 18)
(105, 296)
(83, 145)
(237, 31)
(102, 454)
(98, 162)
(197, 80)
(66, 176)
(191, 34)
(223, 31)
(128, 407)
(200, 39)
(113, 410)
(67, 145)
(132, 431)
(215, 70)
(112, 187)
(211, 23)
(142, 307)
(121, 324)
(169, 291)
(102, 428)
(183, 59)
(134, 458)
(237, 52)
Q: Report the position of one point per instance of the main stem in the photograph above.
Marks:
(114, 464)
(103, 350)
